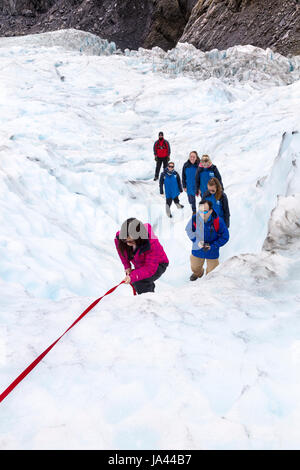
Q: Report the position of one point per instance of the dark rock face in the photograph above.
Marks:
(207, 24)
(168, 21)
(224, 23)
(19, 7)
(129, 23)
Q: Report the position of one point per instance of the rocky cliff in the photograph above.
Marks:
(207, 24)
(129, 23)
(263, 23)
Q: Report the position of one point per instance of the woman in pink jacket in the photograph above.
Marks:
(137, 244)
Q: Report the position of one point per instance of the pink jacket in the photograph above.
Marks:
(146, 261)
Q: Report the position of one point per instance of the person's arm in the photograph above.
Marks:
(223, 235)
(148, 269)
(189, 230)
(204, 196)
(161, 183)
(184, 176)
(226, 212)
(179, 182)
(197, 181)
(154, 148)
(168, 148)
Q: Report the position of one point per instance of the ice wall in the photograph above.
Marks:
(284, 224)
(238, 64)
(68, 39)
(284, 178)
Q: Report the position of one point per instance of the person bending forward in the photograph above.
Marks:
(137, 245)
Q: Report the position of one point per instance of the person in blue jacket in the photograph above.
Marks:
(206, 170)
(208, 232)
(216, 195)
(189, 170)
(170, 179)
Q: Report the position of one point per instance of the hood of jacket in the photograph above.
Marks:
(170, 173)
(188, 163)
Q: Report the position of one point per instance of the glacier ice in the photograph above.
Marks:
(238, 64)
(284, 224)
(212, 365)
(68, 39)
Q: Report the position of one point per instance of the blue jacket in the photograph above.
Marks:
(198, 230)
(221, 207)
(171, 181)
(188, 176)
(203, 175)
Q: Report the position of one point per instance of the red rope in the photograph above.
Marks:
(41, 356)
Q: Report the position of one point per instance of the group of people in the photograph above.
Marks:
(200, 177)
(138, 246)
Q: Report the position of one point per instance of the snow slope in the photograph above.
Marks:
(208, 365)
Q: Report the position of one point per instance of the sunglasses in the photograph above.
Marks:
(203, 212)
(205, 161)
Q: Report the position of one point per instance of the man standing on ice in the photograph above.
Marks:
(162, 151)
(208, 232)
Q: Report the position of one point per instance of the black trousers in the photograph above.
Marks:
(147, 285)
(161, 161)
(169, 200)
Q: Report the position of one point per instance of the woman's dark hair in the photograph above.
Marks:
(206, 201)
(134, 229)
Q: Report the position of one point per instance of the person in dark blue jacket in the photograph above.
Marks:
(189, 178)
(208, 232)
(206, 170)
(216, 195)
(170, 179)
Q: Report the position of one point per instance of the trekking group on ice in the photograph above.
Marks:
(139, 249)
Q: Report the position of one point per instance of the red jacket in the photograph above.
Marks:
(162, 148)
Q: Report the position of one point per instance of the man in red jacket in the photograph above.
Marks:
(162, 151)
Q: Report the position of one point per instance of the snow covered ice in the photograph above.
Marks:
(207, 365)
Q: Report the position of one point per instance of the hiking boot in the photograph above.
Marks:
(168, 210)
(179, 206)
(155, 178)
(193, 277)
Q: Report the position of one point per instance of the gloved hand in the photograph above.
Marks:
(206, 247)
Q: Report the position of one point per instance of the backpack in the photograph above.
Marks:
(215, 223)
